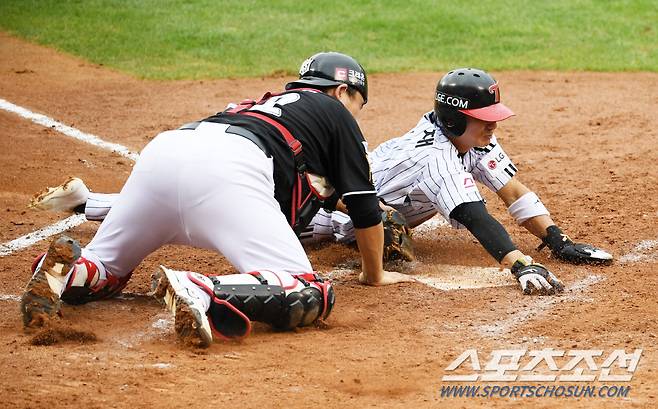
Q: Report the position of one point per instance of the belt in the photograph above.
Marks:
(235, 130)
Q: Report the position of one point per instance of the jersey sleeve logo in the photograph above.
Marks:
(492, 164)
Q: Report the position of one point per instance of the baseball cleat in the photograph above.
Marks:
(182, 297)
(41, 300)
(63, 198)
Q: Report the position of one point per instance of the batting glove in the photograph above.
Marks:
(565, 249)
(535, 278)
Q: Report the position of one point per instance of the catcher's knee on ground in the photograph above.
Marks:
(278, 299)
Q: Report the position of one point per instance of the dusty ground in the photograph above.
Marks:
(586, 143)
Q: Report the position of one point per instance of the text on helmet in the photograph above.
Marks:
(349, 75)
(451, 100)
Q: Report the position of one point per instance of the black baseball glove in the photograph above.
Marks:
(398, 244)
(577, 253)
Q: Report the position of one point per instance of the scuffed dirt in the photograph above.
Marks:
(54, 335)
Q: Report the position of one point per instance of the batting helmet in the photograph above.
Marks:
(467, 91)
(329, 69)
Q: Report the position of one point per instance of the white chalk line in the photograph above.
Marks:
(46, 232)
(67, 130)
(574, 292)
(41, 234)
(646, 250)
(10, 297)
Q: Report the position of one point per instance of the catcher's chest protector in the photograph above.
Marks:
(306, 199)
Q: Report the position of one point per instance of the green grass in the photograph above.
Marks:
(175, 39)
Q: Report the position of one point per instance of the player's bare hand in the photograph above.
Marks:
(385, 207)
(387, 277)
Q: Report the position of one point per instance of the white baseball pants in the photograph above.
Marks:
(204, 188)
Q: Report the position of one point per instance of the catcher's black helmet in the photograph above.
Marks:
(329, 69)
(467, 91)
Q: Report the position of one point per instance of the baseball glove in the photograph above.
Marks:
(398, 244)
(565, 249)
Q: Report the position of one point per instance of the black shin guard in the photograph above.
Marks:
(268, 304)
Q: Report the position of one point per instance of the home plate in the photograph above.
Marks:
(450, 277)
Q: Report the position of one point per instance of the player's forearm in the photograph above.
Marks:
(526, 208)
(487, 230)
(512, 191)
(511, 257)
(371, 244)
(538, 225)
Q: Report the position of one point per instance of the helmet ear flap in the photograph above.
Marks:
(451, 121)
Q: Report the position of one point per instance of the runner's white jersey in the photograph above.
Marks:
(421, 172)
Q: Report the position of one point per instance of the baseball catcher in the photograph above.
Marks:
(251, 153)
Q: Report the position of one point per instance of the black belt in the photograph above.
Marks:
(235, 130)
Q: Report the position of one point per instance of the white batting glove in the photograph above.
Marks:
(535, 278)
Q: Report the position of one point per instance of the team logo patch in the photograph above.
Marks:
(468, 182)
(492, 164)
(493, 89)
(306, 66)
(340, 74)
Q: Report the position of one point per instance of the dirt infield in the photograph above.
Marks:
(585, 142)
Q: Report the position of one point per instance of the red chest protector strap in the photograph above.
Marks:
(299, 200)
(294, 145)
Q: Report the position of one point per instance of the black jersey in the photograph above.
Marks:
(333, 145)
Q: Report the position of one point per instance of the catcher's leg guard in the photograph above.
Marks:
(279, 299)
(187, 302)
(90, 282)
(41, 299)
(80, 281)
